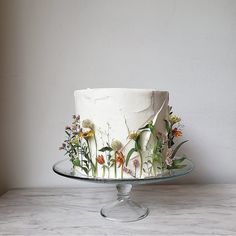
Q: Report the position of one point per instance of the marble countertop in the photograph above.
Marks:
(174, 210)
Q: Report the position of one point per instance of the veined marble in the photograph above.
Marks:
(174, 210)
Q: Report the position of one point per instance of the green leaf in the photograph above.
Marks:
(157, 158)
(131, 151)
(76, 162)
(176, 167)
(137, 144)
(178, 161)
(167, 125)
(144, 127)
(104, 149)
(85, 169)
(177, 148)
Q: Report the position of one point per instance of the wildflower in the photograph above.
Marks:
(128, 171)
(67, 127)
(136, 163)
(100, 159)
(174, 119)
(120, 159)
(177, 133)
(116, 145)
(62, 146)
(86, 134)
(133, 135)
(73, 127)
(168, 161)
(88, 124)
(169, 152)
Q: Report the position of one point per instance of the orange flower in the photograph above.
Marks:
(100, 159)
(120, 159)
(177, 133)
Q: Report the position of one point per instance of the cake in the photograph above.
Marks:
(121, 133)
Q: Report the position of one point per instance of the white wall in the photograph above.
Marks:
(52, 47)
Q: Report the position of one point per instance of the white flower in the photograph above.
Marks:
(168, 159)
(88, 124)
(116, 145)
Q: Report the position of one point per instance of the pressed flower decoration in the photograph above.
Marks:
(81, 147)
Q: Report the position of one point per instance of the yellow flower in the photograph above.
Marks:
(133, 135)
(174, 119)
(87, 134)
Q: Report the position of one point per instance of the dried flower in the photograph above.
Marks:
(67, 127)
(163, 137)
(177, 133)
(174, 119)
(136, 163)
(62, 146)
(116, 145)
(168, 161)
(74, 127)
(88, 124)
(100, 159)
(133, 135)
(120, 159)
(169, 152)
(128, 171)
(86, 134)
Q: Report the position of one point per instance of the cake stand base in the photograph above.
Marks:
(124, 209)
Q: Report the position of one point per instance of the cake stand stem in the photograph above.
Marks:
(124, 209)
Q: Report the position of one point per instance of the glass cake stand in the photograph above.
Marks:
(124, 209)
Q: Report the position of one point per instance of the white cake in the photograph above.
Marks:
(115, 116)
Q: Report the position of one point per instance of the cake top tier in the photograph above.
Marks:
(117, 90)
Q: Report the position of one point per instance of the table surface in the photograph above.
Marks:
(174, 210)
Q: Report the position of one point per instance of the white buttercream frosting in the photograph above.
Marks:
(116, 111)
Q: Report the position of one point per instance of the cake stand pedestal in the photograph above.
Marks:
(124, 209)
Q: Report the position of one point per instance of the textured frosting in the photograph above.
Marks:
(116, 111)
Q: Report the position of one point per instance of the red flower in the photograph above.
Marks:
(100, 159)
(177, 133)
(120, 159)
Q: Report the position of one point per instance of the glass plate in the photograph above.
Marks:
(124, 209)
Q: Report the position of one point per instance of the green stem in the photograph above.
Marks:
(90, 159)
(122, 171)
(103, 171)
(108, 163)
(115, 166)
(96, 146)
(141, 163)
(154, 166)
